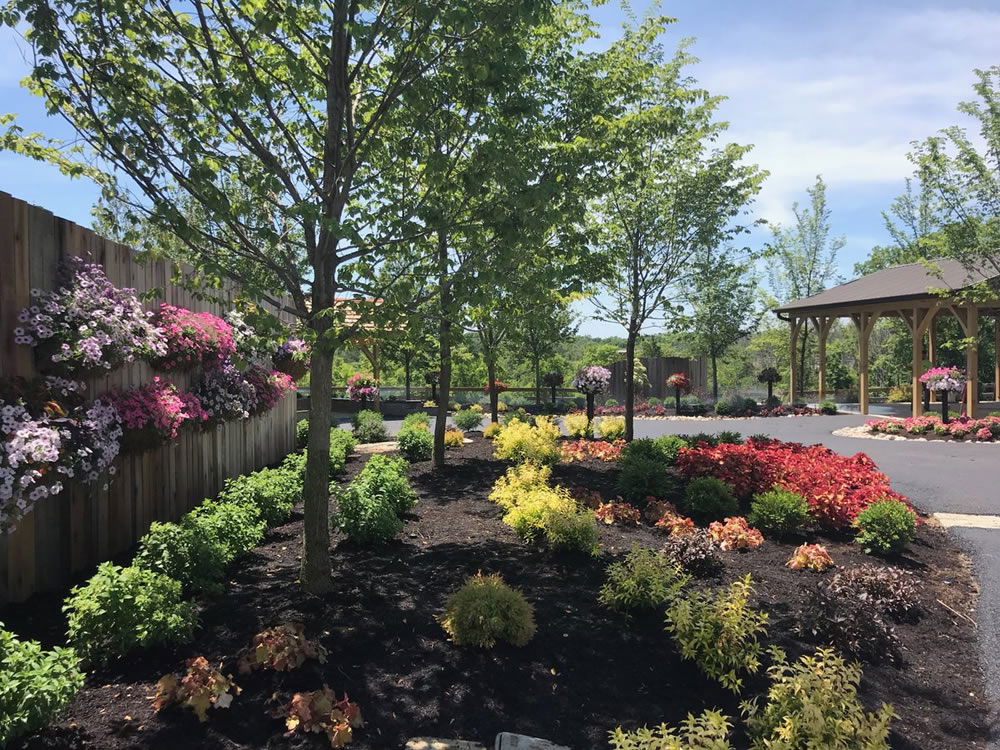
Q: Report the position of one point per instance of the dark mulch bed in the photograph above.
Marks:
(585, 671)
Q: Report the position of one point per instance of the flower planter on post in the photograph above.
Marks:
(431, 378)
(590, 381)
(770, 376)
(361, 387)
(680, 382)
(553, 380)
(944, 380)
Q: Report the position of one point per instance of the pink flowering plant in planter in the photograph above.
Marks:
(153, 414)
(681, 383)
(269, 387)
(292, 357)
(194, 339)
(225, 394)
(88, 324)
(592, 380)
(48, 440)
(944, 380)
(361, 387)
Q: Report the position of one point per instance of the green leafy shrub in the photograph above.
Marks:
(119, 609)
(302, 433)
(415, 443)
(35, 684)
(695, 553)
(386, 475)
(654, 401)
(814, 703)
(709, 499)
(612, 428)
(611, 402)
(779, 512)
(484, 610)
(519, 442)
(518, 415)
(518, 480)
(728, 436)
(707, 731)
(886, 527)
(369, 427)
(529, 513)
(663, 448)
(417, 418)
(467, 419)
(182, 552)
(365, 515)
(645, 579)
(270, 492)
(829, 408)
(719, 631)
(233, 528)
(639, 478)
(342, 444)
(571, 531)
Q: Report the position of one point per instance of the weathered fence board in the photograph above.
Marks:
(66, 536)
(658, 369)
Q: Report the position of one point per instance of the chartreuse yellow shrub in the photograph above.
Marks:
(814, 703)
(454, 438)
(491, 430)
(577, 425)
(612, 428)
(528, 515)
(518, 480)
(519, 442)
(708, 731)
(486, 610)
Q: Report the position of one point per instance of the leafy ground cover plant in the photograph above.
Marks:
(644, 579)
(814, 703)
(519, 442)
(602, 450)
(415, 442)
(810, 557)
(35, 684)
(281, 648)
(675, 524)
(719, 631)
(709, 730)
(611, 428)
(617, 512)
(886, 527)
(319, 711)
(119, 609)
(200, 688)
(734, 533)
(484, 610)
(369, 427)
(182, 552)
(709, 499)
(695, 552)
(779, 513)
(366, 515)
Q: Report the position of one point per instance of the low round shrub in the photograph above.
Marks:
(611, 402)
(611, 428)
(415, 443)
(386, 476)
(518, 415)
(518, 480)
(654, 401)
(366, 516)
(886, 527)
(119, 609)
(709, 499)
(484, 610)
(528, 514)
(644, 579)
(663, 448)
(779, 512)
(342, 444)
(519, 441)
(640, 478)
(492, 430)
(417, 418)
(36, 684)
(270, 492)
(302, 433)
(185, 554)
(467, 419)
(233, 528)
(830, 408)
(369, 427)
(454, 438)
(577, 425)
(571, 531)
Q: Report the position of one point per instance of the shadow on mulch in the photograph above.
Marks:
(586, 670)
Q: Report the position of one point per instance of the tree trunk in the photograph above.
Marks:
(538, 382)
(633, 334)
(406, 375)
(315, 570)
(444, 344)
(715, 378)
(491, 374)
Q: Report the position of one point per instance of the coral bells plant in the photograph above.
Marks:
(581, 450)
(292, 357)
(200, 688)
(734, 533)
(269, 387)
(810, 557)
(282, 648)
(320, 711)
(194, 339)
(225, 394)
(617, 512)
(153, 414)
(87, 325)
(361, 387)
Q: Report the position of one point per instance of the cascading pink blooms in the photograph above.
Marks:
(592, 379)
(361, 386)
(950, 379)
(153, 414)
(959, 428)
(193, 339)
(269, 387)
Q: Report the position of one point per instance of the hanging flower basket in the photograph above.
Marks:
(194, 339)
(292, 358)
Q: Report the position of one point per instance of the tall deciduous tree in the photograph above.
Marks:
(669, 192)
(540, 328)
(280, 122)
(804, 259)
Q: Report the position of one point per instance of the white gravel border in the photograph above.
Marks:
(862, 431)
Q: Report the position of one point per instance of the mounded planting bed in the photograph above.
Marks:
(587, 669)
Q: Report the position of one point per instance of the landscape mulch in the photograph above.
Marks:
(586, 671)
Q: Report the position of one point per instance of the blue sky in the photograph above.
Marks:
(838, 89)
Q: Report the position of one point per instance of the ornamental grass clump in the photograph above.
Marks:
(88, 324)
(645, 579)
(194, 339)
(719, 631)
(486, 610)
(520, 442)
(886, 527)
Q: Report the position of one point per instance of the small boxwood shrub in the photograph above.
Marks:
(302, 433)
(119, 609)
(886, 527)
(365, 515)
(708, 731)
(519, 442)
(486, 610)
(386, 475)
(571, 531)
(611, 428)
(644, 579)
(417, 418)
(467, 419)
(779, 513)
(491, 430)
(369, 427)
(663, 448)
(640, 478)
(719, 631)
(814, 703)
(185, 554)
(415, 443)
(454, 438)
(577, 425)
(829, 408)
(709, 499)
(35, 684)
(270, 492)
(234, 528)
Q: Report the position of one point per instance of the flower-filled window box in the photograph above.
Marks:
(194, 339)
(153, 414)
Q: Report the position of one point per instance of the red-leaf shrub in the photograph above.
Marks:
(582, 449)
(836, 487)
(617, 512)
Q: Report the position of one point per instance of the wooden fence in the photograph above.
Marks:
(67, 535)
(658, 369)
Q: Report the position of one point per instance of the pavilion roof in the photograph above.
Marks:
(897, 283)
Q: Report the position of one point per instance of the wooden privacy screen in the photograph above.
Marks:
(65, 536)
(658, 369)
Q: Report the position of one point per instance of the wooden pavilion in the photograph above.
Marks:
(917, 293)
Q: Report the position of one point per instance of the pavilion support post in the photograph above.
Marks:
(865, 322)
(795, 325)
(916, 387)
(996, 359)
(822, 326)
(972, 362)
(932, 350)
